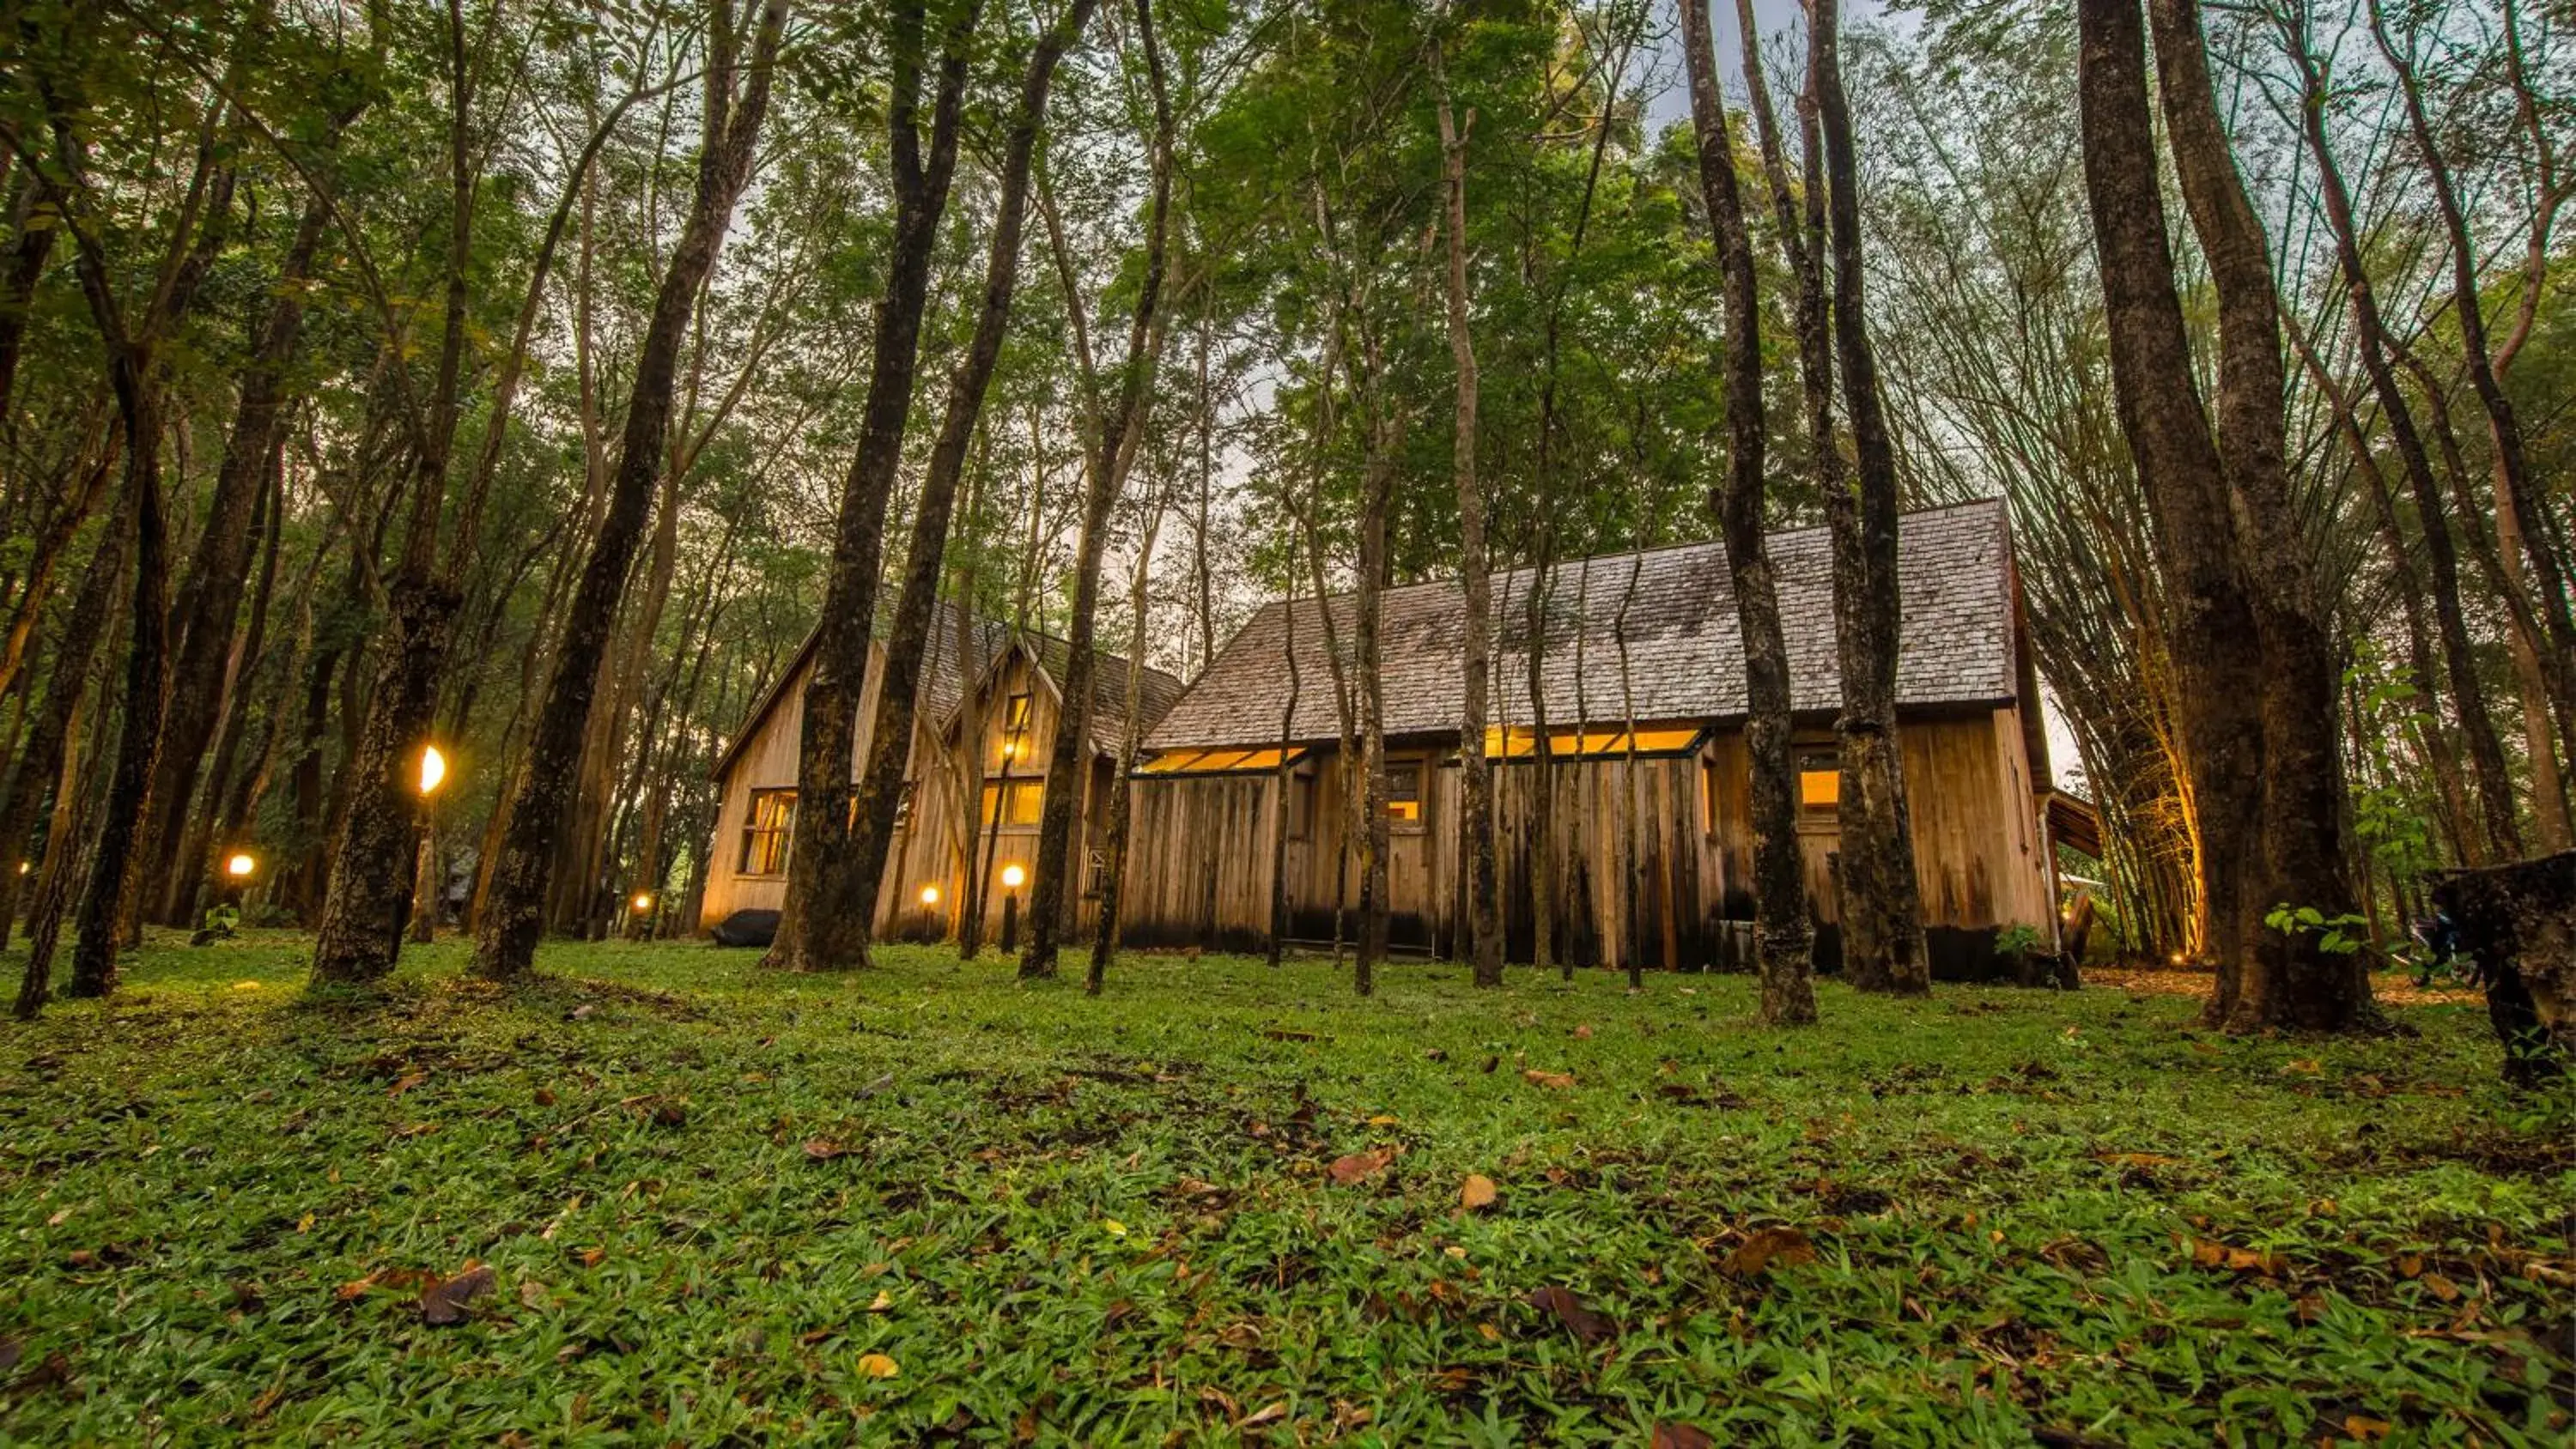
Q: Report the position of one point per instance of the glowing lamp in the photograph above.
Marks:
(930, 895)
(239, 865)
(1013, 877)
(25, 866)
(433, 769)
(643, 902)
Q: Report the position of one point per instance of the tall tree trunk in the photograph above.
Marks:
(205, 617)
(1068, 773)
(1880, 902)
(819, 929)
(2286, 979)
(227, 802)
(1104, 941)
(1283, 783)
(1780, 892)
(1377, 489)
(368, 896)
(513, 914)
(1475, 775)
(40, 759)
(2210, 631)
(907, 644)
(2542, 666)
(2468, 694)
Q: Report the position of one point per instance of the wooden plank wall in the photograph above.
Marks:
(1201, 874)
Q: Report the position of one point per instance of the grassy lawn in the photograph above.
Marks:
(924, 1204)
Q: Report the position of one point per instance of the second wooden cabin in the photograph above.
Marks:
(973, 782)
(1640, 669)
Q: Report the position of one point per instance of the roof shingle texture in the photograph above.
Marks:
(1675, 608)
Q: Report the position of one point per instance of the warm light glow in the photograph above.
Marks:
(1013, 877)
(643, 902)
(930, 895)
(2177, 958)
(433, 769)
(240, 864)
(25, 866)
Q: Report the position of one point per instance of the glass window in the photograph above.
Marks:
(1404, 792)
(767, 832)
(1014, 804)
(1820, 780)
(1015, 730)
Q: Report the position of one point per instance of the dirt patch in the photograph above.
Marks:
(2197, 984)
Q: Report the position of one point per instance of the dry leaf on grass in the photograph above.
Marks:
(1580, 1319)
(1680, 1436)
(878, 1366)
(1787, 1247)
(1553, 1081)
(1476, 1192)
(443, 1303)
(1360, 1166)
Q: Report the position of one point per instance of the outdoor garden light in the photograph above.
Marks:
(25, 866)
(1013, 877)
(433, 769)
(240, 864)
(930, 895)
(643, 902)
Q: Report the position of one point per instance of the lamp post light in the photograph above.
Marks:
(425, 885)
(1013, 877)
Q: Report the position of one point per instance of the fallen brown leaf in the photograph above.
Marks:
(1680, 1436)
(1476, 1192)
(1358, 1166)
(1580, 1319)
(443, 1303)
(1787, 1247)
(824, 1149)
(407, 1083)
(1553, 1081)
(1268, 1414)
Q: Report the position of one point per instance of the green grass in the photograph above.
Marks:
(1112, 1222)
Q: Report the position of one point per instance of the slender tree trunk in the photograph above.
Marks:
(1067, 767)
(202, 625)
(513, 914)
(40, 760)
(2468, 693)
(1476, 776)
(1376, 501)
(1283, 783)
(1882, 920)
(1780, 893)
(1104, 941)
(907, 644)
(818, 928)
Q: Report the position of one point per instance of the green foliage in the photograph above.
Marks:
(709, 1194)
(2342, 935)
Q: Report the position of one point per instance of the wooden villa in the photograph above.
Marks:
(1643, 681)
(936, 834)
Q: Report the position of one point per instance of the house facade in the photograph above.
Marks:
(1634, 674)
(973, 782)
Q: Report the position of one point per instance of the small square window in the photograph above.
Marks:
(1820, 780)
(767, 832)
(1404, 793)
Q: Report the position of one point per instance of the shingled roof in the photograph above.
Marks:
(1685, 657)
(943, 678)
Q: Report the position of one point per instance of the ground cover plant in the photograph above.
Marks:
(661, 1196)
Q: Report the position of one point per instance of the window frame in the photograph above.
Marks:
(778, 838)
(1420, 820)
(990, 814)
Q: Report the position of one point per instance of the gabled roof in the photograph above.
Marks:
(1676, 609)
(943, 677)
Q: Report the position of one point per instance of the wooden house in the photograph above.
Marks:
(1641, 671)
(1013, 707)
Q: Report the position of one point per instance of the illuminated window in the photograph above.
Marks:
(768, 831)
(1820, 780)
(1518, 742)
(1015, 731)
(1014, 804)
(1404, 793)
